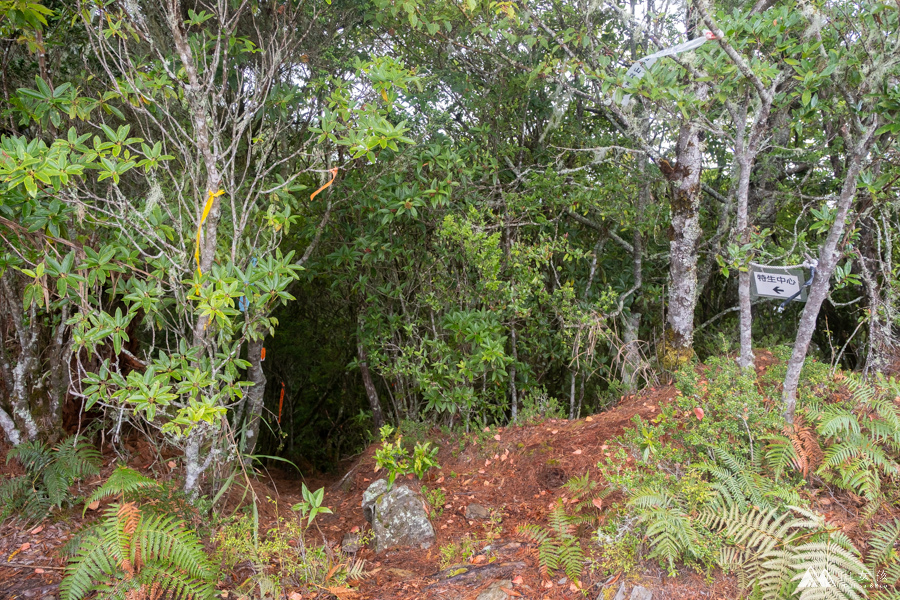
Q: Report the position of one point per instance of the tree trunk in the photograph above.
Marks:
(678, 345)
(876, 268)
(10, 429)
(60, 374)
(572, 414)
(513, 394)
(828, 258)
(198, 108)
(254, 397)
(19, 376)
(633, 363)
(745, 160)
(371, 392)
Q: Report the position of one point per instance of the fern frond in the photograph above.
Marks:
(33, 455)
(671, 533)
(780, 454)
(843, 569)
(837, 420)
(533, 532)
(883, 552)
(92, 562)
(133, 552)
(123, 482)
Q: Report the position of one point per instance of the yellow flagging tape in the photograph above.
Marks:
(333, 176)
(209, 202)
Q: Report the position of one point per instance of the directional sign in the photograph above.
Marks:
(778, 283)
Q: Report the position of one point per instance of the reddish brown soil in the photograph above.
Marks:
(516, 472)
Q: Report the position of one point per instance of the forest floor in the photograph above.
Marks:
(517, 473)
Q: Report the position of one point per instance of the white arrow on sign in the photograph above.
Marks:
(771, 285)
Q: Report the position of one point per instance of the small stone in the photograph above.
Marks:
(399, 519)
(493, 592)
(640, 593)
(477, 511)
(620, 595)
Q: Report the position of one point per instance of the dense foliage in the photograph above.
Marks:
(462, 213)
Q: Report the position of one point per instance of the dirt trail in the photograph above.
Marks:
(518, 473)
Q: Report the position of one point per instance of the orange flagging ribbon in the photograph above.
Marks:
(209, 202)
(281, 403)
(333, 177)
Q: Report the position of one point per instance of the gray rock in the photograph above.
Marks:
(377, 488)
(350, 543)
(640, 593)
(477, 511)
(399, 519)
(493, 592)
(620, 595)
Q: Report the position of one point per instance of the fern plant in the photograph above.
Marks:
(744, 482)
(130, 555)
(797, 449)
(49, 474)
(862, 439)
(772, 550)
(558, 546)
(671, 532)
(589, 497)
(126, 483)
(883, 560)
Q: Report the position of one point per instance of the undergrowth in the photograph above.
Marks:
(718, 480)
(49, 476)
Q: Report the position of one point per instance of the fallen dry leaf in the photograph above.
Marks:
(577, 452)
(37, 530)
(547, 584)
(497, 437)
(344, 593)
(510, 592)
(94, 505)
(479, 559)
(589, 419)
(481, 471)
(487, 462)
(295, 596)
(554, 431)
(171, 464)
(38, 571)
(699, 412)
(517, 579)
(573, 587)
(354, 529)
(597, 502)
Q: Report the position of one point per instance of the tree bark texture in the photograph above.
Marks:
(828, 258)
(685, 233)
(371, 391)
(18, 370)
(254, 396)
